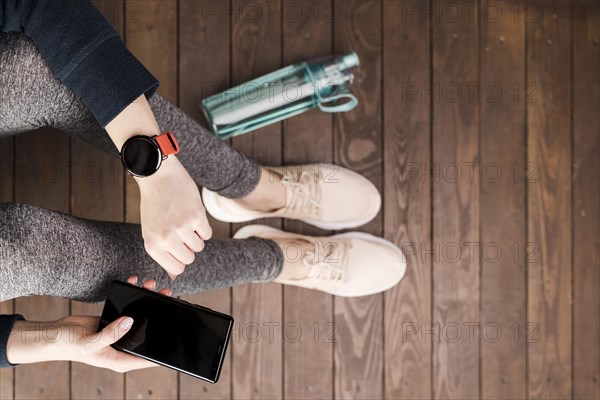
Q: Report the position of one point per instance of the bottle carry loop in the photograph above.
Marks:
(322, 101)
(345, 107)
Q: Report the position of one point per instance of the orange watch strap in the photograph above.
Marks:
(167, 143)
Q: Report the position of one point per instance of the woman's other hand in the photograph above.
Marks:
(75, 338)
(95, 349)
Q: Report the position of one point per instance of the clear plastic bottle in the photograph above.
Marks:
(290, 91)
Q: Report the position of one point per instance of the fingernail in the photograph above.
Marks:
(126, 324)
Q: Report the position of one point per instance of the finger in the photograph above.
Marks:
(181, 252)
(204, 230)
(149, 284)
(194, 242)
(170, 264)
(132, 280)
(113, 332)
(166, 292)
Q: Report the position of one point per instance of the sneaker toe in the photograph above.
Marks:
(374, 265)
(349, 199)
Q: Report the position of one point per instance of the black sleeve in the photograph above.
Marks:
(83, 50)
(6, 325)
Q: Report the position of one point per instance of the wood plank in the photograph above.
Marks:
(586, 200)
(308, 138)
(358, 145)
(204, 30)
(549, 203)
(503, 151)
(407, 198)
(455, 204)
(7, 173)
(42, 179)
(151, 35)
(97, 192)
(257, 364)
(7, 169)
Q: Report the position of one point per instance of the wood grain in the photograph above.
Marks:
(7, 175)
(257, 364)
(586, 200)
(308, 138)
(503, 151)
(42, 179)
(357, 145)
(549, 204)
(7, 169)
(97, 192)
(407, 199)
(455, 205)
(548, 255)
(204, 61)
(151, 35)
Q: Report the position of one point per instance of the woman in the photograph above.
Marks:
(62, 64)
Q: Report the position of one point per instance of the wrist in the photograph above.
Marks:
(156, 180)
(136, 119)
(31, 342)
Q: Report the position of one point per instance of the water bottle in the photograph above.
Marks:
(322, 83)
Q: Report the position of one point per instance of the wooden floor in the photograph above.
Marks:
(480, 125)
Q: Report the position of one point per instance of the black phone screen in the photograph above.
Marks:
(177, 334)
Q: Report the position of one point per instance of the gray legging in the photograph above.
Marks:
(48, 253)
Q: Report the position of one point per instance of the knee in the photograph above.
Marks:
(33, 97)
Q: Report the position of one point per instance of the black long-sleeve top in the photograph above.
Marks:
(85, 53)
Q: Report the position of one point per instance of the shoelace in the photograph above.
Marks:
(305, 193)
(327, 262)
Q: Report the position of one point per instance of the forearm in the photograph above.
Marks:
(73, 338)
(32, 342)
(136, 119)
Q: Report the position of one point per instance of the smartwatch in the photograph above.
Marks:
(143, 155)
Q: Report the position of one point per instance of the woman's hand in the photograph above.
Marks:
(174, 222)
(75, 338)
(94, 348)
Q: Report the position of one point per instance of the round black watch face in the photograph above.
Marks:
(141, 156)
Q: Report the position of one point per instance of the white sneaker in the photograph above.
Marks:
(350, 264)
(324, 195)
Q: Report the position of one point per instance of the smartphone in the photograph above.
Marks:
(170, 332)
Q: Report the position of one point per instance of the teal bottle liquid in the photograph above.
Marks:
(323, 83)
